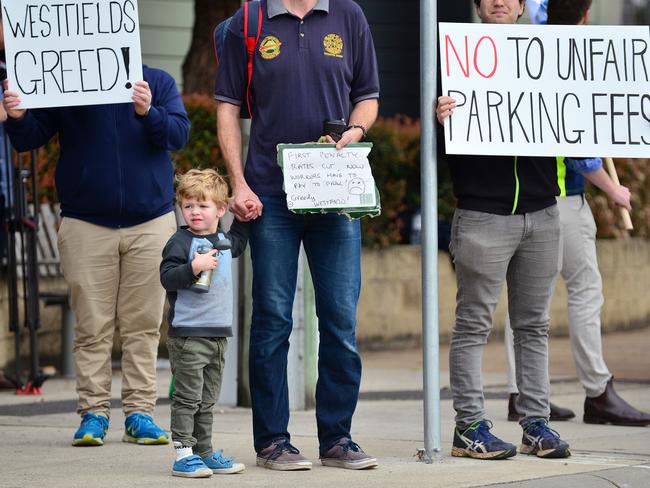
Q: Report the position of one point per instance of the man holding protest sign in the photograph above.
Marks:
(579, 266)
(114, 179)
(315, 61)
(506, 228)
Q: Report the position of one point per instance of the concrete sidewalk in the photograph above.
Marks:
(36, 435)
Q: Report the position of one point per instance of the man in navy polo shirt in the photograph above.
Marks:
(314, 61)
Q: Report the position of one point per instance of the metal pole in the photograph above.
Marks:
(12, 259)
(428, 168)
(34, 319)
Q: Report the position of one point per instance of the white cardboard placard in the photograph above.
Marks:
(77, 52)
(319, 176)
(547, 90)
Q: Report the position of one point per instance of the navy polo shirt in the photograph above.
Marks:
(304, 72)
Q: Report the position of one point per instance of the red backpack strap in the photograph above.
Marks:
(252, 31)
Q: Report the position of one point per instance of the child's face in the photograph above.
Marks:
(202, 216)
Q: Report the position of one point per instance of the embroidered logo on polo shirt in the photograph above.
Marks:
(270, 47)
(333, 45)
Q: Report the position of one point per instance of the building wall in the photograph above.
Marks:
(166, 33)
(390, 309)
(606, 13)
(396, 34)
(395, 30)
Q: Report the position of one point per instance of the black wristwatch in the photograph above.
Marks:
(358, 126)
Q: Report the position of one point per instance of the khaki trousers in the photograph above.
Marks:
(115, 284)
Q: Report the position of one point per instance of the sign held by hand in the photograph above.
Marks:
(547, 90)
(321, 178)
(77, 52)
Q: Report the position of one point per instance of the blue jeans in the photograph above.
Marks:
(333, 247)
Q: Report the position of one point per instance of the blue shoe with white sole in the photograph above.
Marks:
(219, 464)
(191, 467)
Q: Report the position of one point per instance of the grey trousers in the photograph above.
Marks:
(490, 250)
(579, 269)
(197, 364)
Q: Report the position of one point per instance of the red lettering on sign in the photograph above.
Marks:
(464, 68)
(496, 57)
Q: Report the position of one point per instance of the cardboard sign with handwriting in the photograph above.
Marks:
(320, 178)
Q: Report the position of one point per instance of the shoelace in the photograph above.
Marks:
(135, 424)
(350, 446)
(139, 423)
(280, 447)
(482, 428)
(95, 422)
(541, 429)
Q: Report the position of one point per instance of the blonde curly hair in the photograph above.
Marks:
(202, 184)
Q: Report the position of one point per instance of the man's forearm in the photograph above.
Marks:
(365, 113)
(229, 134)
(601, 179)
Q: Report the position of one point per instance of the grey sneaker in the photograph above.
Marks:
(282, 456)
(347, 454)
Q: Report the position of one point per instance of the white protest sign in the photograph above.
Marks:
(77, 52)
(318, 176)
(546, 90)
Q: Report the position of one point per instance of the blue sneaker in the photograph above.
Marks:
(92, 430)
(542, 441)
(219, 464)
(477, 442)
(140, 429)
(191, 467)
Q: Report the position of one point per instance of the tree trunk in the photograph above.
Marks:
(199, 66)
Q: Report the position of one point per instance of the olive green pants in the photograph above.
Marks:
(197, 364)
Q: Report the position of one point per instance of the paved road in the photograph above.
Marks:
(35, 434)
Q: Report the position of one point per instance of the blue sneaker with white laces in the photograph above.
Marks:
(542, 441)
(476, 441)
(219, 464)
(140, 429)
(92, 430)
(191, 467)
